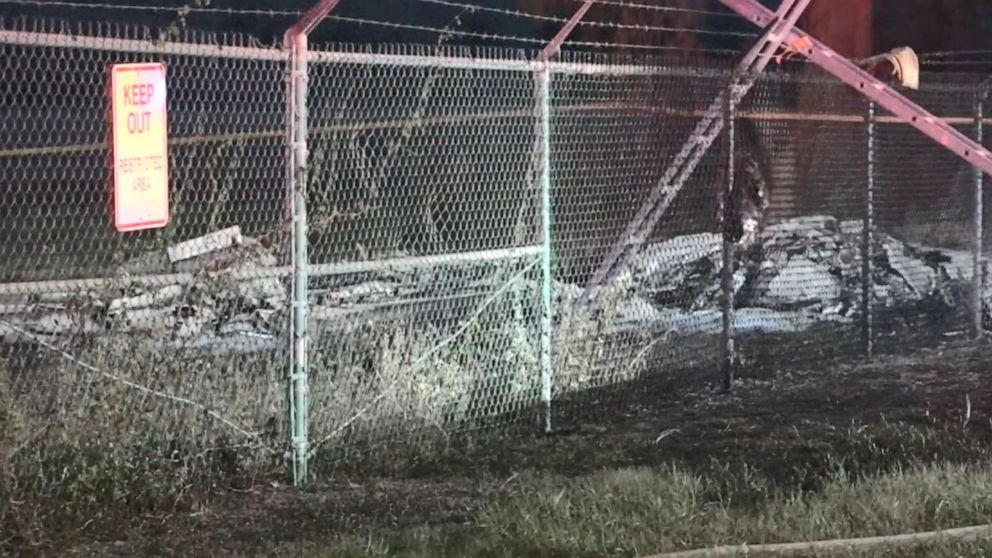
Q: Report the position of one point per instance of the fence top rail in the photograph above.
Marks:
(570, 63)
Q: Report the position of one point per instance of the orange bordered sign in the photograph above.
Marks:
(139, 146)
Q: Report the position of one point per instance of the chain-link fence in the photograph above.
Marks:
(458, 204)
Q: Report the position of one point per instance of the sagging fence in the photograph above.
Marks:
(420, 273)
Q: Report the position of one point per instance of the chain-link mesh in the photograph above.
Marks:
(800, 281)
(132, 360)
(924, 227)
(613, 135)
(132, 365)
(424, 220)
(814, 163)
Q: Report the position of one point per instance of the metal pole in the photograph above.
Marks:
(295, 41)
(978, 274)
(298, 375)
(727, 268)
(543, 83)
(867, 228)
(542, 78)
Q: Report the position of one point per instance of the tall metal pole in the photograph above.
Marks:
(978, 273)
(295, 41)
(543, 79)
(299, 372)
(727, 268)
(867, 238)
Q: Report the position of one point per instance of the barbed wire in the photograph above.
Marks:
(586, 23)
(150, 8)
(666, 48)
(652, 7)
(527, 40)
(428, 29)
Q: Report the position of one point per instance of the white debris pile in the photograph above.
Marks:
(808, 264)
(220, 285)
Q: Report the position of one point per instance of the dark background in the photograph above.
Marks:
(929, 26)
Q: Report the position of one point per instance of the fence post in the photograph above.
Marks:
(867, 228)
(298, 372)
(295, 41)
(727, 265)
(978, 273)
(542, 77)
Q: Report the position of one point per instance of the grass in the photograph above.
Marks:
(638, 511)
(633, 512)
(794, 457)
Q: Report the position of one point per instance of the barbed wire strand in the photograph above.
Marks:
(133, 385)
(150, 8)
(428, 29)
(515, 38)
(587, 23)
(656, 8)
(410, 26)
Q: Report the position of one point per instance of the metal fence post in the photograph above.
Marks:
(296, 41)
(727, 266)
(867, 227)
(543, 85)
(978, 273)
(542, 78)
(298, 372)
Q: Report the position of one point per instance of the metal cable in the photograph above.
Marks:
(428, 29)
(586, 23)
(514, 38)
(650, 7)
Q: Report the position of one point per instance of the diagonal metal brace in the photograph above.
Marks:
(872, 88)
(554, 45)
(777, 28)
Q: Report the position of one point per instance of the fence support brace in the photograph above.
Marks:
(677, 173)
(542, 82)
(295, 41)
(874, 89)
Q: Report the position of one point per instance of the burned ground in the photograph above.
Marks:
(792, 426)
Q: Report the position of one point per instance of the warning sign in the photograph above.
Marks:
(141, 173)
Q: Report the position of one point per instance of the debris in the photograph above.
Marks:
(226, 292)
(205, 244)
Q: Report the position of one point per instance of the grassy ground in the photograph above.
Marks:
(896, 446)
(634, 512)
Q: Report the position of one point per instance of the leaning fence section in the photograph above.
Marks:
(456, 206)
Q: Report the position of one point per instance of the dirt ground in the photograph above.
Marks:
(784, 420)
